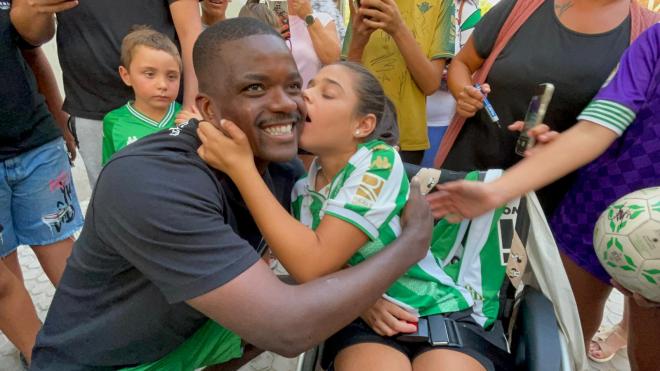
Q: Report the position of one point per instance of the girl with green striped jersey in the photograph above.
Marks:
(348, 207)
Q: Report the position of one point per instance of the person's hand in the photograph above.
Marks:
(416, 219)
(361, 32)
(185, 115)
(285, 31)
(228, 150)
(462, 199)
(51, 6)
(470, 100)
(381, 14)
(541, 133)
(70, 142)
(388, 319)
(301, 8)
(639, 299)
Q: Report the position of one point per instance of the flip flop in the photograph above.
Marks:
(604, 339)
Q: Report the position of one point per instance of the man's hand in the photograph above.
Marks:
(417, 220)
(301, 8)
(388, 319)
(381, 14)
(639, 299)
(70, 142)
(50, 6)
(228, 150)
(470, 100)
(541, 133)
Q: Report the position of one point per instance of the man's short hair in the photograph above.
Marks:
(207, 53)
(145, 36)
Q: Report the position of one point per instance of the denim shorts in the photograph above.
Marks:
(39, 202)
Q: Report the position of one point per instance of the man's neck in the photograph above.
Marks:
(210, 20)
(153, 113)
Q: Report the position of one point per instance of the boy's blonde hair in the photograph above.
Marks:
(260, 11)
(145, 36)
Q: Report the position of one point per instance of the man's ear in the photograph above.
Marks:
(125, 76)
(207, 109)
(365, 126)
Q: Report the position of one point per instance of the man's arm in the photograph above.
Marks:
(35, 19)
(188, 24)
(291, 319)
(45, 77)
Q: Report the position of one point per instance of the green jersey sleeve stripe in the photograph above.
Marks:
(611, 115)
(355, 219)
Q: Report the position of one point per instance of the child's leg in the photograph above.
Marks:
(11, 262)
(446, 360)
(643, 338)
(590, 295)
(607, 342)
(53, 258)
(18, 319)
(371, 357)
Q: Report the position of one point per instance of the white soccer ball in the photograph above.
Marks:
(627, 242)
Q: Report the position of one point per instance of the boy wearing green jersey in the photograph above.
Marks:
(151, 65)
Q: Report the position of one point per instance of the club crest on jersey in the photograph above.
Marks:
(381, 163)
(370, 187)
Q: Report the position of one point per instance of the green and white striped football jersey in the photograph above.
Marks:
(126, 125)
(463, 268)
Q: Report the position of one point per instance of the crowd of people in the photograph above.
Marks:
(219, 147)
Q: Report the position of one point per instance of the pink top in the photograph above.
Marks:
(302, 48)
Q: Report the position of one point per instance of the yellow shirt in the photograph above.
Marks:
(432, 25)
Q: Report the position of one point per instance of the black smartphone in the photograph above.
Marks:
(534, 116)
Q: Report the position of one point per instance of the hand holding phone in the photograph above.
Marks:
(534, 116)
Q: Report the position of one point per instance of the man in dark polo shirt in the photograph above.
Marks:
(163, 275)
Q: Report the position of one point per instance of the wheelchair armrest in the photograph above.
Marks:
(445, 175)
(536, 345)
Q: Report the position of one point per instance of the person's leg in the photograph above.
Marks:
(11, 262)
(371, 357)
(446, 360)
(45, 209)
(643, 338)
(53, 257)
(590, 295)
(90, 135)
(18, 318)
(607, 342)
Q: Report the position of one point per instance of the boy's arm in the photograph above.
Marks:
(385, 15)
(188, 24)
(47, 84)
(35, 19)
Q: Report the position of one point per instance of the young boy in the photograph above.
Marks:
(151, 65)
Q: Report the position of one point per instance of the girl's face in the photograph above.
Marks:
(332, 126)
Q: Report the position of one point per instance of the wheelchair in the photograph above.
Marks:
(535, 339)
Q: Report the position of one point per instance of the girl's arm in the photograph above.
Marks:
(188, 25)
(306, 254)
(459, 80)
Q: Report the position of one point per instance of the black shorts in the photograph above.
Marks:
(358, 332)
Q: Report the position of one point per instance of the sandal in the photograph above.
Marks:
(608, 342)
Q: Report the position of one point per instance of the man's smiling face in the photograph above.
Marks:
(259, 89)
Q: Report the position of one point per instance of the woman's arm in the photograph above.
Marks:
(324, 38)
(47, 85)
(307, 254)
(575, 147)
(188, 25)
(385, 15)
(459, 80)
